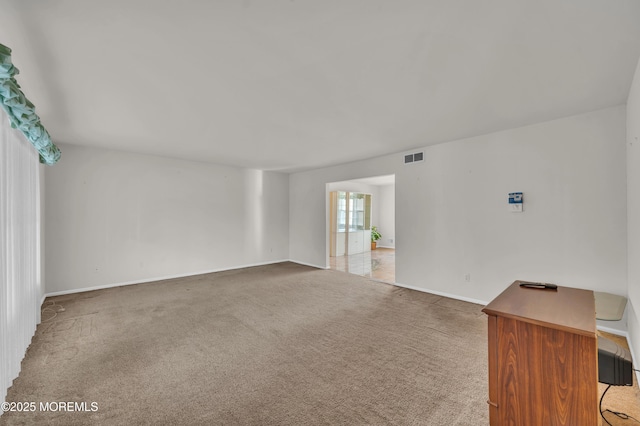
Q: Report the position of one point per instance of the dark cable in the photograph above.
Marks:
(601, 413)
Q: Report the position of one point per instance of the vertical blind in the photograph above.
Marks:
(20, 275)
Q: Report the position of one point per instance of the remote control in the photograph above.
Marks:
(529, 284)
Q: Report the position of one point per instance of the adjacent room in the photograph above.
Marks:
(191, 192)
(362, 227)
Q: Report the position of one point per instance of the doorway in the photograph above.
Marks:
(354, 207)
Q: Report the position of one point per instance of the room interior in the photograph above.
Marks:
(353, 252)
(204, 139)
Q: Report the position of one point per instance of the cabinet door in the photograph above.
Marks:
(545, 376)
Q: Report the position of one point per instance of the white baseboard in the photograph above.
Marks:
(439, 293)
(168, 277)
(308, 264)
(633, 358)
(613, 331)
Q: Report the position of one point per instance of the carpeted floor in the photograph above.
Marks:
(281, 344)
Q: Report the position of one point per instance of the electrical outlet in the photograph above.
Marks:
(467, 277)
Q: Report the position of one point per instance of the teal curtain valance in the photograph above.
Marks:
(21, 112)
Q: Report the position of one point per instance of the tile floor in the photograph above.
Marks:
(379, 264)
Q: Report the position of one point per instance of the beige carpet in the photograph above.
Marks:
(282, 344)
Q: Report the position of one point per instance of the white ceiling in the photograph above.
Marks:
(293, 84)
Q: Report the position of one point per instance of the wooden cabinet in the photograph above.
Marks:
(543, 357)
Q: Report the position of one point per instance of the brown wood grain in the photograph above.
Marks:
(567, 308)
(493, 370)
(541, 373)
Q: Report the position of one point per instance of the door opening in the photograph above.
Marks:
(354, 208)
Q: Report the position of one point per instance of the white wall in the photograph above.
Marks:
(115, 217)
(633, 212)
(452, 217)
(386, 219)
(308, 210)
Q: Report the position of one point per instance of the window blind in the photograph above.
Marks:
(20, 248)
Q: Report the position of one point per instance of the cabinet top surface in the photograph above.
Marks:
(566, 308)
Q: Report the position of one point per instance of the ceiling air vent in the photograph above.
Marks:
(414, 158)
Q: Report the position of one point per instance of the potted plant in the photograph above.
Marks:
(375, 236)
